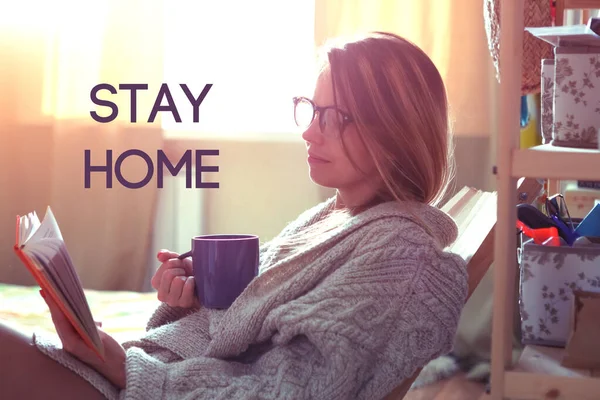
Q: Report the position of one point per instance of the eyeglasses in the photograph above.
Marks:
(332, 121)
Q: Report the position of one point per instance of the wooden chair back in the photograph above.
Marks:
(528, 191)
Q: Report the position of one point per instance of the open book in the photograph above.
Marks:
(40, 246)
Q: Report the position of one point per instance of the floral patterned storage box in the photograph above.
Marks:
(573, 98)
(576, 99)
(548, 276)
(547, 103)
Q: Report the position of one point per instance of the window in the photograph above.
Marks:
(257, 55)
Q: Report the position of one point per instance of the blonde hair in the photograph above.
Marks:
(397, 99)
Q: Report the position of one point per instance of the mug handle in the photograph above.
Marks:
(185, 255)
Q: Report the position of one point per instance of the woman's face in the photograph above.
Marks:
(329, 165)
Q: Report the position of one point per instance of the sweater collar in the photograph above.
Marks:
(434, 221)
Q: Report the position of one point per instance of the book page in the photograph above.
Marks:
(42, 261)
(52, 255)
(28, 224)
(47, 249)
(47, 229)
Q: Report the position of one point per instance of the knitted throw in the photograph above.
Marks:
(348, 318)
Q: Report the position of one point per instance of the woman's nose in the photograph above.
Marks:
(313, 133)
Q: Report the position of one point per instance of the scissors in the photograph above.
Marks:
(531, 216)
(556, 208)
(541, 235)
(535, 219)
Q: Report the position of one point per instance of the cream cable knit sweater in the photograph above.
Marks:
(348, 318)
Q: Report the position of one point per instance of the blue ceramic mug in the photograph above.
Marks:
(223, 267)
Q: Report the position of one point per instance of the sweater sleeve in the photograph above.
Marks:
(358, 334)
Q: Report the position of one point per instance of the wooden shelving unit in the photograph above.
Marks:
(547, 161)
(538, 374)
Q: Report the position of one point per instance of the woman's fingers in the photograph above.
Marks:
(175, 291)
(188, 294)
(165, 255)
(174, 280)
(178, 290)
(156, 279)
(167, 265)
(188, 266)
(66, 332)
(182, 292)
(69, 337)
(165, 283)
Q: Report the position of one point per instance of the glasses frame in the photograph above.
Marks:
(346, 118)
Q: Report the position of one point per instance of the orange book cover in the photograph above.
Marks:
(52, 291)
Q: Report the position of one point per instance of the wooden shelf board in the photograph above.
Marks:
(538, 375)
(553, 162)
(529, 386)
(546, 360)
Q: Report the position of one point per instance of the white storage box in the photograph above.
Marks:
(547, 100)
(548, 276)
(576, 86)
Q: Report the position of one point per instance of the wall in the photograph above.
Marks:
(264, 184)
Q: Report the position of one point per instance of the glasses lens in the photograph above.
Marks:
(303, 113)
(331, 121)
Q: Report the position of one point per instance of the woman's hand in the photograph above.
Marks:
(174, 280)
(113, 367)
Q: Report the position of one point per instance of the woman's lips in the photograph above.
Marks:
(316, 160)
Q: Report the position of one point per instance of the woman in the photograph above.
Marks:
(352, 297)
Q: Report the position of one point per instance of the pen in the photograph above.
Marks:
(185, 255)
